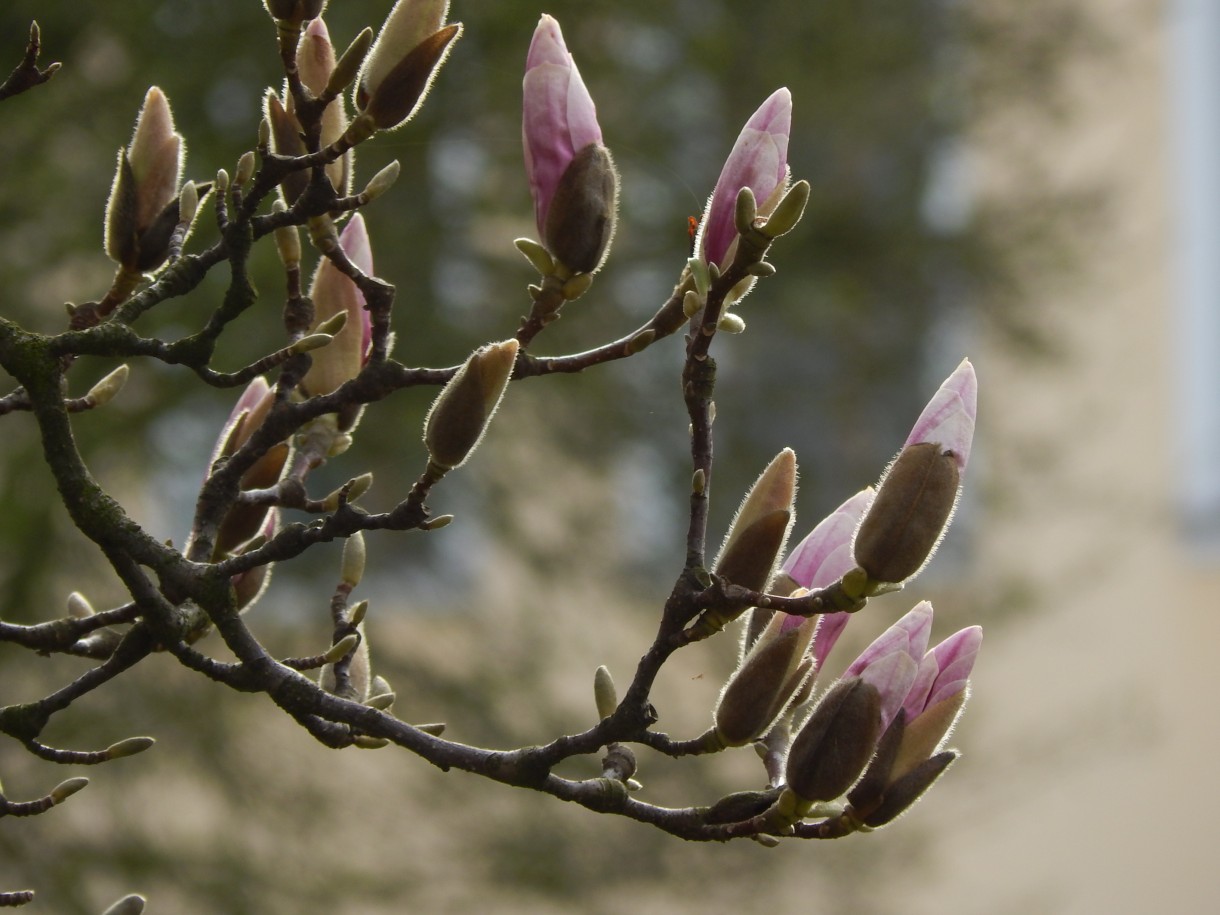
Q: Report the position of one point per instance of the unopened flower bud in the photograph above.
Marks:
(409, 50)
(758, 161)
(836, 742)
(244, 170)
(914, 502)
(341, 648)
(143, 196)
(461, 412)
(904, 792)
(581, 219)
(764, 682)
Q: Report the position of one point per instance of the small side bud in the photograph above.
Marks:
(461, 412)
(128, 905)
(745, 211)
(902, 794)
(188, 203)
(333, 324)
(435, 524)
(436, 729)
(537, 255)
(341, 648)
(382, 701)
(353, 559)
(604, 693)
(381, 182)
(245, 169)
(577, 286)
(222, 182)
(692, 304)
(357, 613)
(79, 607)
(641, 341)
(287, 239)
(311, 342)
(348, 65)
(365, 742)
(129, 747)
(731, 323)
(788, 211)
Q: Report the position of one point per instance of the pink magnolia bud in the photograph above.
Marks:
(892, 661)
(409, 50)
(820, 560)
(142, 210)
(572, 178)
(333, 292)
(948, 419)
(919, 490)
(759, 161)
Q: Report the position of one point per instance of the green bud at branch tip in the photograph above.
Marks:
(264, 133)
(341, 648)
(358, 612)
(245, 169)
(78, 606)
(537, 255)
(381, 182)
(67, 788)
(333, 324)
(353, 559)
(311, 342)
(103, 392)
(222, 182)
(129, 747)
(188, 203)
(604, 693)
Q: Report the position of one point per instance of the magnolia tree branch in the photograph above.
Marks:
(845, 756)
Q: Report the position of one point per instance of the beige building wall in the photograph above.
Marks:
(1091, 741)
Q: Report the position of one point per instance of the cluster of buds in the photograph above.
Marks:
(897, 687)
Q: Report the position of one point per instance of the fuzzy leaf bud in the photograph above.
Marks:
(353, 559)
(604, 693)
(67, 788)
(460, 414)
(129, 747)
(105, 390)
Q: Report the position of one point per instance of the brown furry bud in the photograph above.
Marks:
(836, 742)
(461, 412)
(581, 219)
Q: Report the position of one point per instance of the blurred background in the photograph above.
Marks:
(1034, 186)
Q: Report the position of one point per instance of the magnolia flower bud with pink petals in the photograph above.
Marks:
(936, 698)
(316, 63)
(333, 292)
(759, 161)
(919, 490)
(572, 177)
(892, 661)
